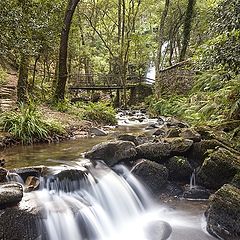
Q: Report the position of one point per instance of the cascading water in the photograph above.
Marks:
(102, 205)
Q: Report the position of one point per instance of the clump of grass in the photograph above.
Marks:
(27, 125)
(99, 112)
(3, 76)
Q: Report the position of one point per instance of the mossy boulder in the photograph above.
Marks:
(223, 215)
(10, 194)
(236, 180)
(218, 168)
(153, 175)
(154, 151)
(179, 169)
(197, 152)
(112, 152)
(178, 145)
(190, 133)
(19, 224)
(3, 174)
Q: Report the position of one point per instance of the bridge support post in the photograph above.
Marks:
(133, 95)
(117, 100)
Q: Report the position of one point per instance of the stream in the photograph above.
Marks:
(105, 204)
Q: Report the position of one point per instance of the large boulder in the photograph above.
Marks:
(97, 132)
(3, 174)
(179, 146)
(223, 215)
(135, 139)
(19, 224)
(152, 174)
(154, 151)
(10, 194)
(218, 168)
(190, 133)
(25, 172)
(158, 230)
(64, 178)
(112, 152)
(179, 169)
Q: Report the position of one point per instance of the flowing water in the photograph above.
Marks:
(107, 204)
(102, 204)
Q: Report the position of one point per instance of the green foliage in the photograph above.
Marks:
(3, 76)
(27, 125)
(221, 51)
(206, 105)
(98, 112)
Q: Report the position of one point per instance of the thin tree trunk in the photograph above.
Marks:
(22, 86)
(160, 44)
(34, 71)
(187, 29)
(62, 74)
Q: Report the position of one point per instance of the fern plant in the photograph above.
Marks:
(27, 125)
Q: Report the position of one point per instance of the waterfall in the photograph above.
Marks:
(102, 205)
(193, 180)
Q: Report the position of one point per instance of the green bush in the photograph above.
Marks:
(27, 125)
(99, 112)
(205, 104)
(3, 76)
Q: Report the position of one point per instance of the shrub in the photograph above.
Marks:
(3, 76)
(99, 112)
(27, 125)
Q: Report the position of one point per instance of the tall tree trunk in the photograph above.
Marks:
(160, 44)
(187, 28)
(34, 71)
(62, 72)
(22, 86)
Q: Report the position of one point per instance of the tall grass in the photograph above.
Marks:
(27, 125)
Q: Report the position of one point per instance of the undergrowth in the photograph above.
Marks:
(98, 112)
(27, 125)
(208, 103)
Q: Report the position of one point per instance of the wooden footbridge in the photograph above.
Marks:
(104, 82)
(108, 83)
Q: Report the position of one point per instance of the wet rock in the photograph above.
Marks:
(196, 192)
(172, 122)
(32, 183)
(171, 189)
(152, 126)
(190, 133)
(112, 152)
(179, 145)
(69, 174)
(97, 132)
(223, 214)
(179, 169)
(236, 180)
(154, 151)
(197, 152)
(173, 132)
(158, 230)
(218, 168)
(128, 137)
(17, 224)
(10, 194)
(152, 174)
(159, 132)
(24, 173)
(3, 174)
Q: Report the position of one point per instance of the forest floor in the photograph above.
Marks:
(73, 126)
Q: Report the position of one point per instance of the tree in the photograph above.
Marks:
(63, 51)
(160, 44)
(187, 28)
